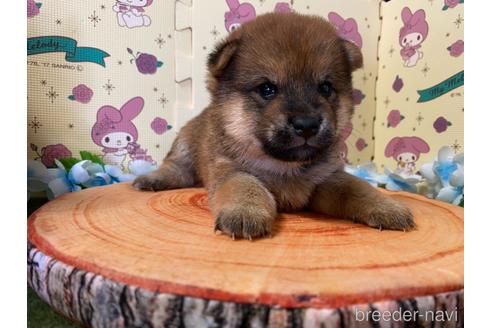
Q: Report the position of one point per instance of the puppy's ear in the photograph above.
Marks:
(220, 58)
(354, 54)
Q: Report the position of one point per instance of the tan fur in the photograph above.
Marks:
(243, 148)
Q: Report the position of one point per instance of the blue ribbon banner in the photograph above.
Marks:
(439, 89)
(47, 44)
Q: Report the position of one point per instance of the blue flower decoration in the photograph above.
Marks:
(117, 175)
(84, 174)
(367, 172)
(390, 180)
(445, 176)
(62, 184)
(39, 177)
(136, 168)
(443, 179)
(398, 182)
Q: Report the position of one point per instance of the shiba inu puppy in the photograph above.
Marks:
(281, 93)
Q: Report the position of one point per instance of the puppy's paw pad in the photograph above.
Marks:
(239, 223)
(149, 183)
(393, 216)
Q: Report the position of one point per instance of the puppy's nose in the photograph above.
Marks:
(305, 126)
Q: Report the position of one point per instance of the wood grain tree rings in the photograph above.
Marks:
(113, 257)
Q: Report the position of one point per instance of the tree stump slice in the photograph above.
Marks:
(113, 256)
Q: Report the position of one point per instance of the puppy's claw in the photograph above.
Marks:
(239, 222)
(391, 215)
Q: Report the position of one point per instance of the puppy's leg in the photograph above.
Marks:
(242, 206)
(176, 171)
(348, 197)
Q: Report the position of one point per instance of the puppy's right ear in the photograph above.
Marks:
(220, 58)
(354, 54)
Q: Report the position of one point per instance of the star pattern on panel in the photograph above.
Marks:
(163, 100)
(425, 69)
(456, 146)
(35, 124)
(109, 87)
(94, 19)
(52, 94)
(215, 33)
(160, 41)
(458, 21)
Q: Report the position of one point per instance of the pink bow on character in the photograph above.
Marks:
(346, 29)
(239, 13)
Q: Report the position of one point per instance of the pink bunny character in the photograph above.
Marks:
(412, 34)
(238, 14)
(406, 151)
(346, 28)
(130, 13)
(344, 134)
(282, 7)
(114, 130)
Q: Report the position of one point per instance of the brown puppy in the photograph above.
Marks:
(281, 89)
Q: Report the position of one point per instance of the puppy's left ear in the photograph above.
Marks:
(354, 54)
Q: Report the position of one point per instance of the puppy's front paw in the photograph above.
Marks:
(150, 182)
(390, 215)
(245, 222)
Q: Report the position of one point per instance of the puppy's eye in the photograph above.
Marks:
(325, 88)
(267, 90)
